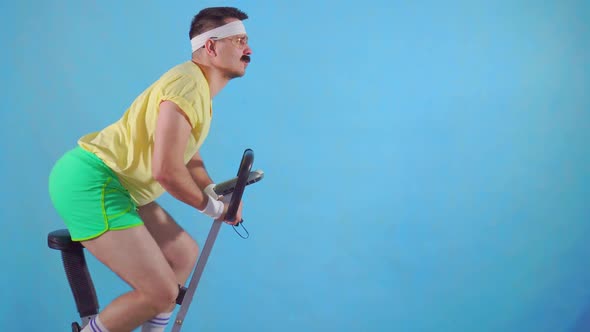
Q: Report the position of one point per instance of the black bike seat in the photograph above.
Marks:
(61, 240)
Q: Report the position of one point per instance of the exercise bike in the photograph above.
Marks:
(80, 281)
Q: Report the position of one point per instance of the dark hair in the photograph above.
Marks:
(213, 17)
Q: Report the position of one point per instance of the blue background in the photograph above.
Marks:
(427, 163)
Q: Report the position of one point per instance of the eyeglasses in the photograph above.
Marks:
(239, 41)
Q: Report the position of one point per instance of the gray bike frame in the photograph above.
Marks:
(242, 178)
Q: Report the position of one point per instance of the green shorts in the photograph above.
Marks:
(89, 197)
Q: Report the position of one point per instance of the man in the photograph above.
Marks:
(105, 188)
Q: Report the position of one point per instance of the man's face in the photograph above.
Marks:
(233, 55)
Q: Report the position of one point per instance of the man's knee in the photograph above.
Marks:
(161, 295)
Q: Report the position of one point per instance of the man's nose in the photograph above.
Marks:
(247, 50)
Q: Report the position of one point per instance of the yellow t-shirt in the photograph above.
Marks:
(126, 146)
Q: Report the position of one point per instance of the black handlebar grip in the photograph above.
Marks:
(243, 172)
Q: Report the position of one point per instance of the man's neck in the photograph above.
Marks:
(215, 78)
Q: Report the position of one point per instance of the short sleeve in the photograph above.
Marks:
(184, 91)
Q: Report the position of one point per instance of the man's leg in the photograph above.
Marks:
(179, 248)
(134, 255)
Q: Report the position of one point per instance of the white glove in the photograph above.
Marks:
(224, 198)
(209, 191)
(214, 208)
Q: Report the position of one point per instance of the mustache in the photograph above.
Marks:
(245, 58)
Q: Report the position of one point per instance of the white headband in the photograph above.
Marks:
(230, 29)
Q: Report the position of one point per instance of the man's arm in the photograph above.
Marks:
(172, 133)
(196, 168)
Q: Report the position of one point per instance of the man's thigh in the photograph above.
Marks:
(133, 255)
(179, 248)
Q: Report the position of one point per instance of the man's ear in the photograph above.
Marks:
(210, 47)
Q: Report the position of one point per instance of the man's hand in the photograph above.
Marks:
(226, 200)
(238, 217)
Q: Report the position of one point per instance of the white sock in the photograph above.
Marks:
(157, 324)
(95, 325)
